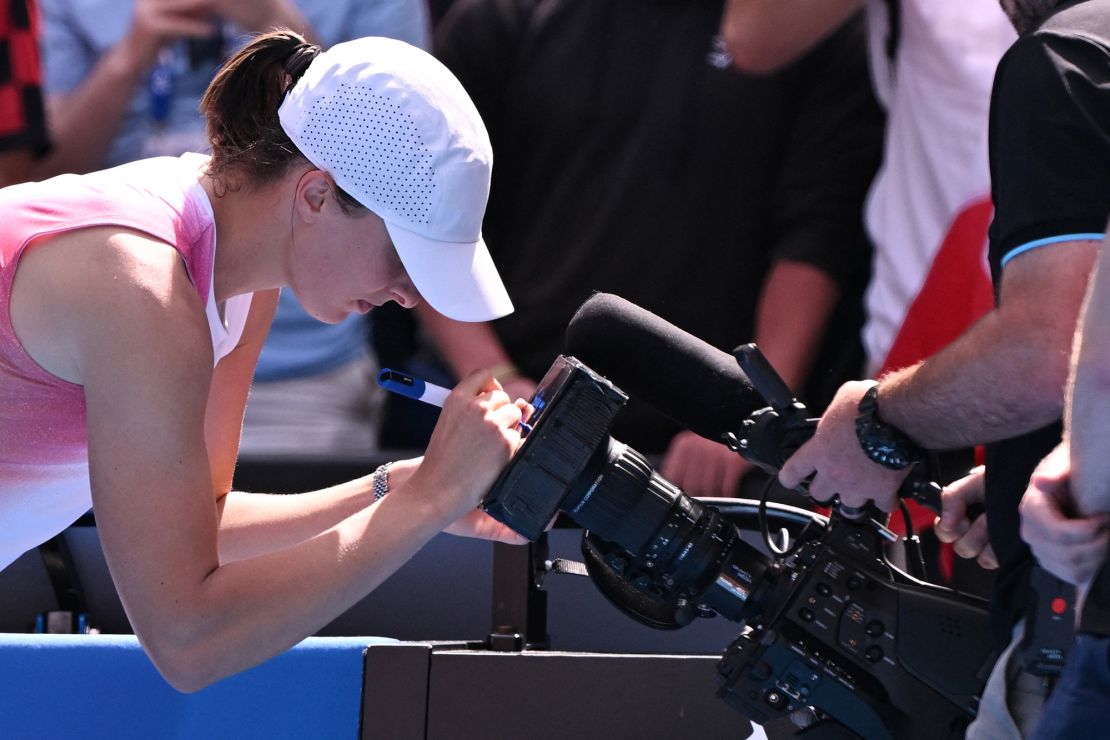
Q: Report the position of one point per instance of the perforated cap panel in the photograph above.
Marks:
(376, 144)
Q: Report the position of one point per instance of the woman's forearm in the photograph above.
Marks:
(253, 524)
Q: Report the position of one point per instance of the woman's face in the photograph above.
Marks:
(343, 263)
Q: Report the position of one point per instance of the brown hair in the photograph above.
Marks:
(241, 107)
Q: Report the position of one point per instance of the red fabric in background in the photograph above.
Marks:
(956, 293)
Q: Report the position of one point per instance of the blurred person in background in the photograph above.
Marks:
(23, 134)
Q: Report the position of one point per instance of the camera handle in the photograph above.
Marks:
(771, 435)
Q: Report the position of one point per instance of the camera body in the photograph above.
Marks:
(873, 649)
(832, 626)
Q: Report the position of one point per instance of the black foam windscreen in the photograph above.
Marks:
(685, 378)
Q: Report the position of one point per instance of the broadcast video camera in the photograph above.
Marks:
(830, 626)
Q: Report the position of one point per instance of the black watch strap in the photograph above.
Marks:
(882, 443)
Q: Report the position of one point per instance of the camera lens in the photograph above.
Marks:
(684, 544)
(624, 501)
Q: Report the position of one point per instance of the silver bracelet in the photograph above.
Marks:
(380, 480)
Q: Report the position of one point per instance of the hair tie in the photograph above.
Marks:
(299, 59)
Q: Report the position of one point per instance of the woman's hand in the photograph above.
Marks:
(476, 435)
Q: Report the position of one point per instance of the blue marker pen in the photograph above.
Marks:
(414, 388)
(421, 390)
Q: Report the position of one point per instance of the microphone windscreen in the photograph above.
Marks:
(683, 377)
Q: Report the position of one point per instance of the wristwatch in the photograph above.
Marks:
(882, 443)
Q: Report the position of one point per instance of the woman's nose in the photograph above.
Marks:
(406, 296)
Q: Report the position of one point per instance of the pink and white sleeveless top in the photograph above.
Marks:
(44, 476)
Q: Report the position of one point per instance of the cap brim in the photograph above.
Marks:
(458, 279)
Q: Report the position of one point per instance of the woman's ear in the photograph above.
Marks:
(313, 190)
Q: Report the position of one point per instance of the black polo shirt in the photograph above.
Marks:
(1050, 175)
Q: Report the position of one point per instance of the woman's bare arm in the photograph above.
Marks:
(142, 350)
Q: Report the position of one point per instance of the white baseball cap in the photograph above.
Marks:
(398, 132)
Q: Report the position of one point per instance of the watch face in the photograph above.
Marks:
(882, 443)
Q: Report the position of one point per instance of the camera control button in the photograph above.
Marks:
(776, 700)
(875, 628)
(873, 654)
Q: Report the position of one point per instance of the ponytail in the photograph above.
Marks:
(241, 107)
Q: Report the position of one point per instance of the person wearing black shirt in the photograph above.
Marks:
(1002, 382)
(632, 159)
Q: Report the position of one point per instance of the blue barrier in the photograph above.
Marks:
(104, 686)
